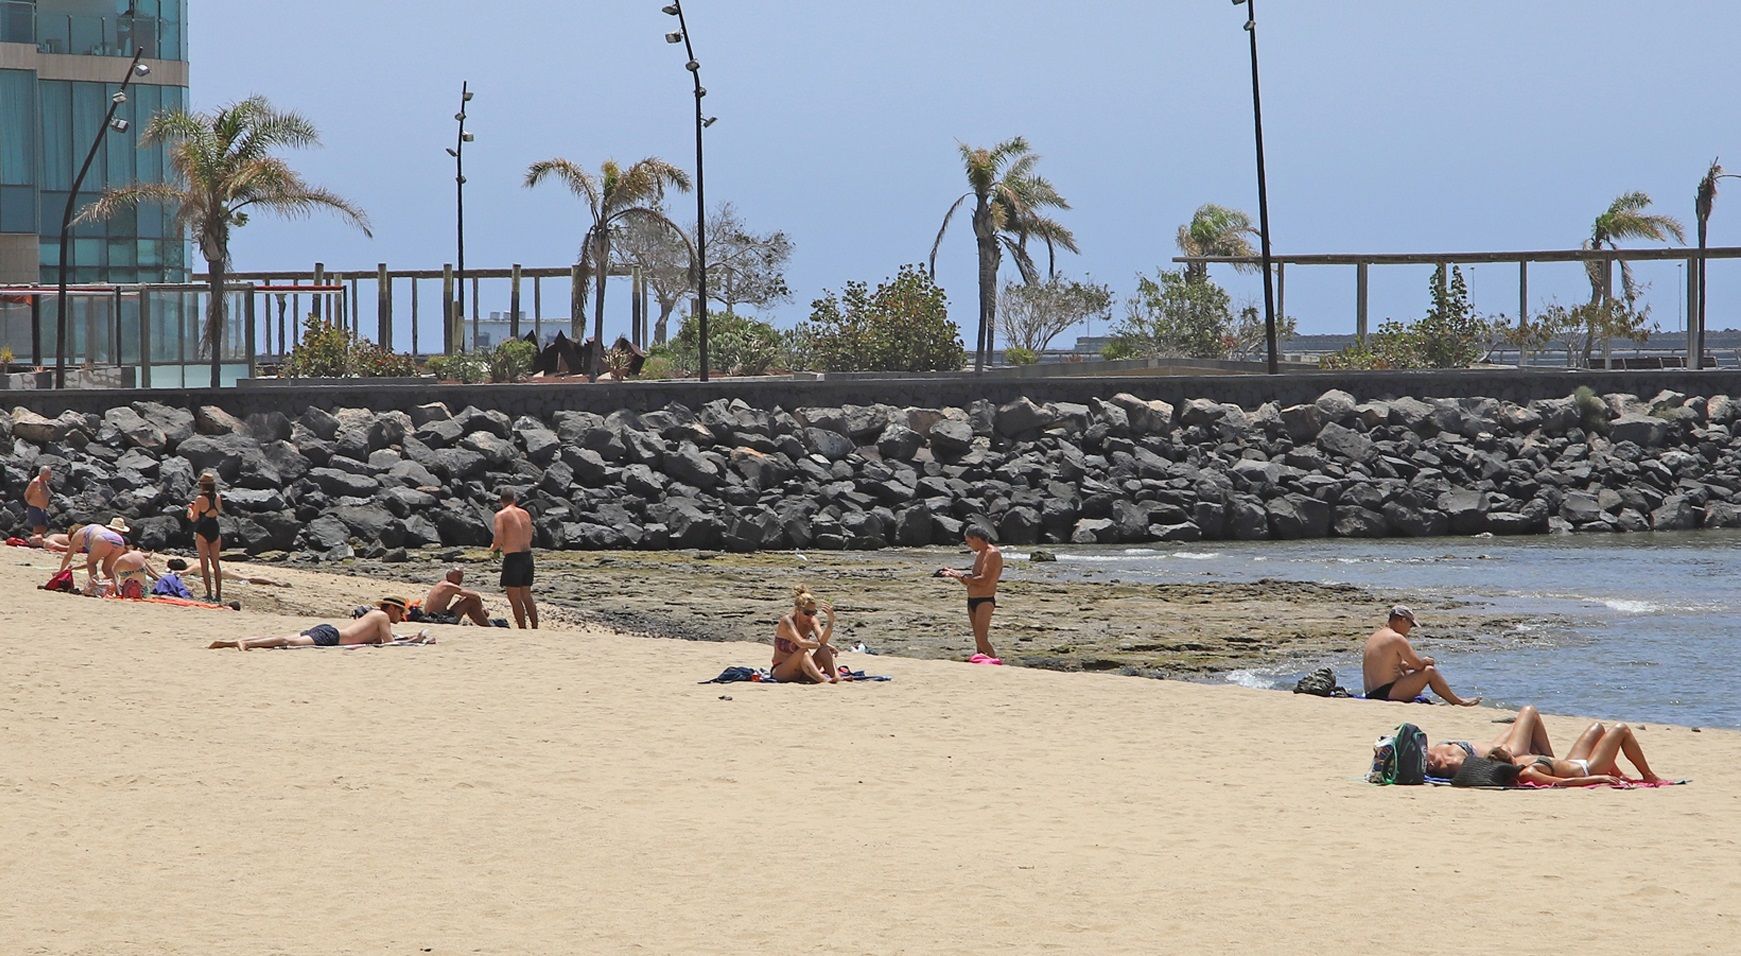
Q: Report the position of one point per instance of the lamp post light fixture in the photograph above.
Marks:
(681, 35)
(135, 69)
(457, 151)
(1269, 294)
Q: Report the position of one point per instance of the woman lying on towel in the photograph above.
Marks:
(802, 653)
(1526, 756)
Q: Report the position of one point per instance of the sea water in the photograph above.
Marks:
(1632, 627)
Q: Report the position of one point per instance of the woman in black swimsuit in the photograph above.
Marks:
(207, 540)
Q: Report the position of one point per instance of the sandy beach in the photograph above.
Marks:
(576, 791)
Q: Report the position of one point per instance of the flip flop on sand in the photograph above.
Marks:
(983, 659)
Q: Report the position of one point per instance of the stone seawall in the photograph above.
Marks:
(1125, 468)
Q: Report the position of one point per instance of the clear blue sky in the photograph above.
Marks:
(1391, 127)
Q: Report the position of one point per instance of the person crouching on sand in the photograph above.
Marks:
(375, 627)
(802, 654)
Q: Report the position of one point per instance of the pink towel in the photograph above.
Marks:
(983, 659)
(1626, 783)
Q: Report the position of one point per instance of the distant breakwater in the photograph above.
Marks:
(731, 476)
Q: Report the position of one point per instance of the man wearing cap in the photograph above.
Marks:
(1395, 672)
(375, 627)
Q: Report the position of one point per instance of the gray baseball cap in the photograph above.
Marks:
(1405, 612)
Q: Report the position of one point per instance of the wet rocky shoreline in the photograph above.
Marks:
(1048, 616)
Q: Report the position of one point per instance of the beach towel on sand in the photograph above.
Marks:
(761, 675)
(1626, 783)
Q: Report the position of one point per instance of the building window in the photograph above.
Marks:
(18, 138)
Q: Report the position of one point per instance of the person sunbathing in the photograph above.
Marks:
(56, 543)
(1526, 735)
(1525, 747)
(375, 627)
(802, 653)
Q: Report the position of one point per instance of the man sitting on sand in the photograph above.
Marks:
(375, 627)
(451, 601)
(1395, 672)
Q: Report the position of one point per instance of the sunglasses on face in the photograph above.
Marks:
(807, 611)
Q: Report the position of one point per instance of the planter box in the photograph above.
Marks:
(330, 382)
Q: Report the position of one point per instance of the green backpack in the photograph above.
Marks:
(1401, 758)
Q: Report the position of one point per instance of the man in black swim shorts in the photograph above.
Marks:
(375, 627)
(513, 537)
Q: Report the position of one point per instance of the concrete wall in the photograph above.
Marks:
(1246, 390)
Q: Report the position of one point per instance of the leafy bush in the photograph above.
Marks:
(1031, 315)
(659, 366)
(512, 360)
(1016, 355)
(329, 350)
(1450, 335)
(467, 368)
(1173, 314)
(1592, 410)
(903, 326)
(736, 345)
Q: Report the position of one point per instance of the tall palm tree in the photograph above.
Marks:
(1216, 230)
(1624, 219)
(1010, 200)
(224, 169)
(1703, 203)
(616, 196)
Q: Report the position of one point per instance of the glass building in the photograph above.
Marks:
(60, 62)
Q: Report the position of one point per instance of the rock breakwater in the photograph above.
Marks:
(733, 477)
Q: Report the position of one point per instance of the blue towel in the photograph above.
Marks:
(171, 585)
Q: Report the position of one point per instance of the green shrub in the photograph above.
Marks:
(659, 366)
(464, 367)
(736, 345)
(1016, 355)
(329, 350)
(1592, 410)
(903, 326)
(512, 360)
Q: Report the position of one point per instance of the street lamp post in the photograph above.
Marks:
(136, 68)
(1269, 293)
(681, 35)
(457, 151)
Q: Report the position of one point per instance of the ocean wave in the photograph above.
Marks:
(1256, 680)
(1626, 606)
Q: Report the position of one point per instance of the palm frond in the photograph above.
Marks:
(112, 201)
(938, 242)
(579, 181)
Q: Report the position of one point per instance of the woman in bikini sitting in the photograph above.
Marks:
(207, 540)
(802, 653)
(101, 545)
(134, 574)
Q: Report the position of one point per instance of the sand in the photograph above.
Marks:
(577, 792)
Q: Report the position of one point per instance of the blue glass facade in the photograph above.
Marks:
(51, 113)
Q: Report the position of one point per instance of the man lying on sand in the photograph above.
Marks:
(1592, 761)
(1395, 672)
(449, 599)
(375, 627)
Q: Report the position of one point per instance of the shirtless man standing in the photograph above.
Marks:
(375, 627)
(447, 597)
(981, 583)
(36, 498)
(1395, 672)
(514, 540)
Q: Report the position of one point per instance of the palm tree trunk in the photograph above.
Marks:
(987, 301)
(1699, 344)
(218, 267)
(600, 269)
